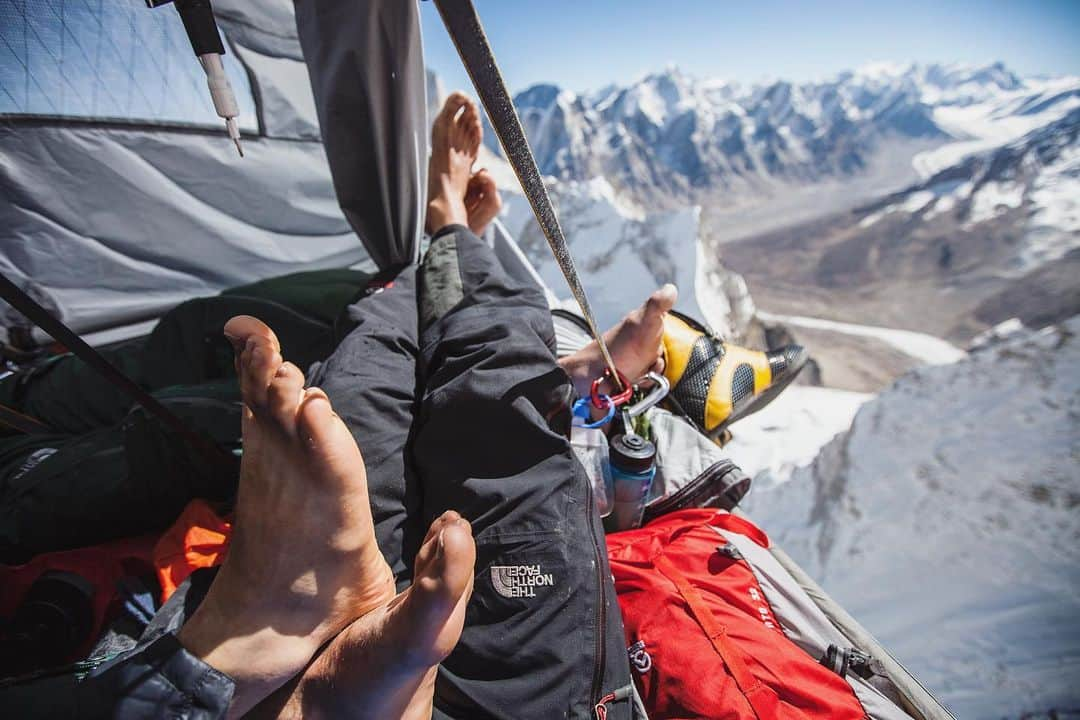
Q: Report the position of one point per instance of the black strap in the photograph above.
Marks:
(22, 423)
(64, 335)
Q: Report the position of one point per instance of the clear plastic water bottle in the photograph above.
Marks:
(591, 447)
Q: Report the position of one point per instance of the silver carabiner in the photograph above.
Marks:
(660, 390)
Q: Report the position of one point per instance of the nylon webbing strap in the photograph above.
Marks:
(760, 697)
(64, 335)
(463, 25)
(22, 423)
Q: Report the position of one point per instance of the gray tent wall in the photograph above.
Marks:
(112, 224)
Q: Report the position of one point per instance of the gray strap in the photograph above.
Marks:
(463, 25)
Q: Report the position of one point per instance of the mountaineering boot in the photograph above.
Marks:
(714, 383)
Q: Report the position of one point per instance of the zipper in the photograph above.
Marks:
(706, 487)
(601, 605)
(621, 694)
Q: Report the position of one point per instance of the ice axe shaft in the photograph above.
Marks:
(463, 25)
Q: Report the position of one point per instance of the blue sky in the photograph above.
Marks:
(586, 44)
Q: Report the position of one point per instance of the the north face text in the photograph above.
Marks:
(519, 581)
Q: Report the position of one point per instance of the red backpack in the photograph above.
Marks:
(703, 640)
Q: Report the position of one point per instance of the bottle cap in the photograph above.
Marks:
(632, 453)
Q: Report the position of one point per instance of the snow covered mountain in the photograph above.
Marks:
(946, 521)
(935, 199)
(1038, 174)
(623, 253)
(670, 136)
(993, 236)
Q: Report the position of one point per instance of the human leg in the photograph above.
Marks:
(491, 443)
(370, 380)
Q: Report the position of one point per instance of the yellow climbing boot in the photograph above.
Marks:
(714, 383)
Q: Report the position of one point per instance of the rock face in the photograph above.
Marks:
(948, 521)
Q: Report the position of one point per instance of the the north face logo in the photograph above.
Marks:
(33, 461)
(518, 581)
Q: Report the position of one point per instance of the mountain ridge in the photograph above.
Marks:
(668, 136)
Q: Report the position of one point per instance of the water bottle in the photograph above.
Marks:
(591, 447)
(633, 466)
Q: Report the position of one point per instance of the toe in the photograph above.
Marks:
(259, 363)
(482, 200)
(284, 396)
(323, 431)
(242, 327)
(453, 105)
(315, 418)
(427, 548)
(257, 356)
(483, 184)
(238, 330)
(469, 126)
(435, 607)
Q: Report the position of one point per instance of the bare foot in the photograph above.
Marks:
(455, 142)
(303, 561)
(384, 664)
(635, 344)
(482, 201)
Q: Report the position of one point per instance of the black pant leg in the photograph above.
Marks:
(543, 637)
(371, 381)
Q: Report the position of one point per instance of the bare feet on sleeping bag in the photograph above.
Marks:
(303, 561)
(456, 194)
(636, 344)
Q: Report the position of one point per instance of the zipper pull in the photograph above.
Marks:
(620, 694)
(729, 550)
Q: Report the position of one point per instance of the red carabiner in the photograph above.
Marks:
(620, 399)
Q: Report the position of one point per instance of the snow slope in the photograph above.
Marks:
(928, 349)
(1033, 181)
(997, 119)
(946, 520)
(790, 431)
(623, 253)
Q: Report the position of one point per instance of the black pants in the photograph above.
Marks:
(450, 387)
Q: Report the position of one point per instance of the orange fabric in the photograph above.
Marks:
(199, 538)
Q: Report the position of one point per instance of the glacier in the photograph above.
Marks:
(946, 521)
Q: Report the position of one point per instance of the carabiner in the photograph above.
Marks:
(620, 399)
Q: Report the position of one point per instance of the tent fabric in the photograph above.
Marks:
(111, 224)
(367, 72)
(63, 58)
